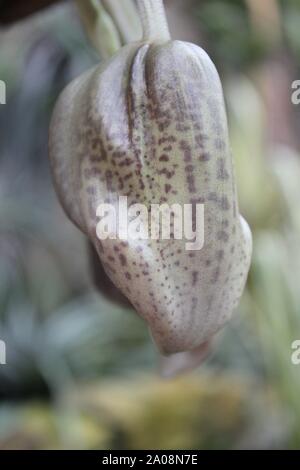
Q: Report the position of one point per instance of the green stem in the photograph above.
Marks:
(99, 27)
(154, 20)
(126, 18)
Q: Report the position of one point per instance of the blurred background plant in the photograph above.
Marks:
(80, 369)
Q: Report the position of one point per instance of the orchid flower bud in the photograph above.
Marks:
(150, 125)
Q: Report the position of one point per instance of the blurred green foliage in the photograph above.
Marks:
(227, 30)
(231, 39)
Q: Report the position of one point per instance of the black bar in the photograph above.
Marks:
(137, 459)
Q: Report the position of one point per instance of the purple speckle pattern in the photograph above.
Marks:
(150, 124)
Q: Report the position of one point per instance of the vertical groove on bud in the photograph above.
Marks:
(154, 21)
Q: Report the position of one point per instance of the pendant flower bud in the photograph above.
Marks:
(150, 124)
